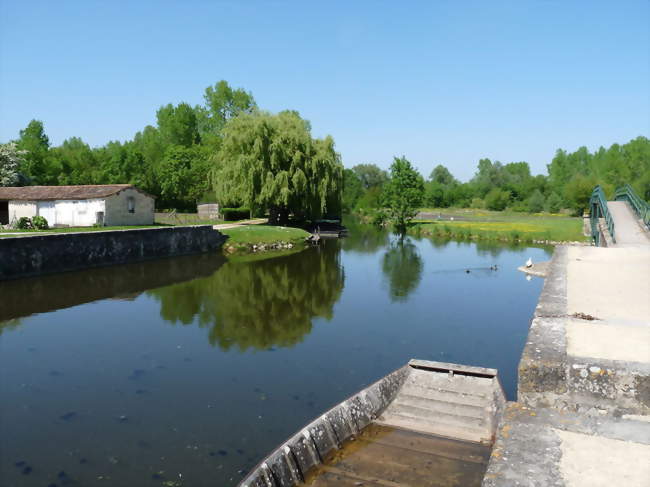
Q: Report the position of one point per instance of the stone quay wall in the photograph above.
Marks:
(44, 254)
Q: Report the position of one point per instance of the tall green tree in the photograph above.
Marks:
(73, 162)
(441, 187)
(271, 162)
(404, 192)
(370, 175)
(222, 103)
(178, 125)
(36, 143)
(442, 175)
(578, 192)
(176, 176)
(352, 190)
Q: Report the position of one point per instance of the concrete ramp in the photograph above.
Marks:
(628, 230)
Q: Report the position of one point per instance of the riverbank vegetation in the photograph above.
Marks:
(497, 186)
(263, 237)
(229, 151)
(504, 227)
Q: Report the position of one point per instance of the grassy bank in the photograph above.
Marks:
(263, 237)
(511, 227)
(24, 233)
(185, 219)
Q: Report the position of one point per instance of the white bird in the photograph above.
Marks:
(529, 262)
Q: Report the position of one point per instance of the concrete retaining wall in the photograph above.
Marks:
(550, 376)
(44, 254)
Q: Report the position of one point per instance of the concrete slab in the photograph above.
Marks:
(547, 447)
(611, 284)
(596, 461)
(627, 230)
(610, 342)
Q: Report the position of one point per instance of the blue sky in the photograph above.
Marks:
(437, 81)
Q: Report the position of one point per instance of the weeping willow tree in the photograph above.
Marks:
(271, 163)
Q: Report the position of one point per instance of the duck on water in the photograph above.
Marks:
(425, 424)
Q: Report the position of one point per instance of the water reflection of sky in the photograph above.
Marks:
(201, 366)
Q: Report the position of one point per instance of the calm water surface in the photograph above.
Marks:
(187, 371)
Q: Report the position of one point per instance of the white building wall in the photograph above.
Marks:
(18, 209)
(83, 213)
(77, 213)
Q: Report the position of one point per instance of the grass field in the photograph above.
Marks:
(503, 226)
(248, 235)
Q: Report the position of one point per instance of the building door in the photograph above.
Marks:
(4, 212)
(47, 210)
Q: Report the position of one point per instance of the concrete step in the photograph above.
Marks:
(439, 428)
(479, 400)
(469, 385)
(425, 414)
(442, 407)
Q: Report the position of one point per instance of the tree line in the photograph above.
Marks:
(495, 186)
(228, 150)
(225, 150)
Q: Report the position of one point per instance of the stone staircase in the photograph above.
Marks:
(449, 405)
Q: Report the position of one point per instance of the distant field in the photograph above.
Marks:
(483, 215)
(494, 225)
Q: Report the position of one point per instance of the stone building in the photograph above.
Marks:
(78, 206)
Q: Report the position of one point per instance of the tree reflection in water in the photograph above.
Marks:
(259, 304)
(402, 266)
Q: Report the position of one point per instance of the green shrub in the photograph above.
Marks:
(379, 217)
(370, 199)
(519, 206)
(24, 223)
(40, 223)
(554, 203)
(536, 202)
(231, 214)
(497, 199)
(477, 203)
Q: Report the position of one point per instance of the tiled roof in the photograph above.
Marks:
(39, 193)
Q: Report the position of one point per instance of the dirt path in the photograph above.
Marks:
(255, 221)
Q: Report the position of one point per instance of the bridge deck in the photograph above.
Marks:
(628, 230)
(583, 416)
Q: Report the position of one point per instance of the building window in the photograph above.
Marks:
(130, 204)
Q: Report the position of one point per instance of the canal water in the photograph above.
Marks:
(187, 371)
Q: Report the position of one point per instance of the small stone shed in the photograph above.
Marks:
(78, 206)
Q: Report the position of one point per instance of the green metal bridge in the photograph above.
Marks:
(622, 222)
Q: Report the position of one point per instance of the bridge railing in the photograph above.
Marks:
(640, 206)
(598, 209)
